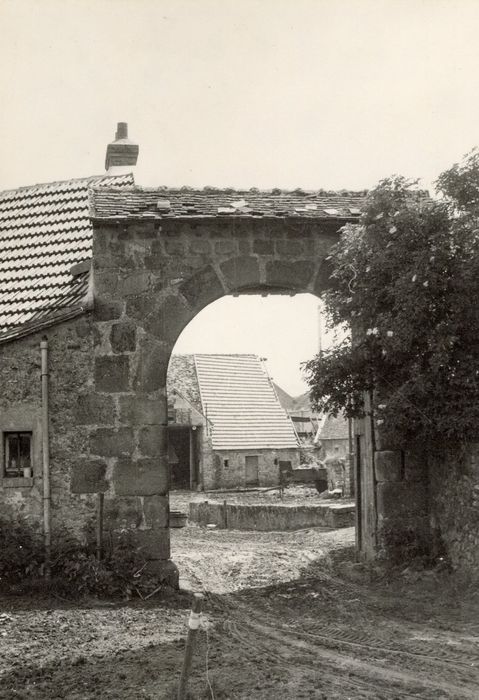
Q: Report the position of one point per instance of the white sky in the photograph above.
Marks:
(286, 93)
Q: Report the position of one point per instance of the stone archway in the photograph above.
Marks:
(151, 277)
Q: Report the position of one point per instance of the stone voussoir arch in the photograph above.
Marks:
(151, 276)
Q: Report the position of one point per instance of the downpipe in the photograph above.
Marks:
(46, 459)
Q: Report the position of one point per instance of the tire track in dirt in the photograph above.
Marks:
(432, 668)
(285, 643)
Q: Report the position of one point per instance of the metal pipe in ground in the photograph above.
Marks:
(193, 627)
(46, 458)
(99, 527)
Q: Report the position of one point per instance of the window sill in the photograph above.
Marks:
(17, 482)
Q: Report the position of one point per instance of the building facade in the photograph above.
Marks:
(244, 433)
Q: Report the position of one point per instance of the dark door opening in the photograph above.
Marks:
(182, 456)
(251, 470)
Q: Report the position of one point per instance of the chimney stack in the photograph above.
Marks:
(121, 154)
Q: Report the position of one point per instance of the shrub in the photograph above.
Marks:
(75, 569)
(404, 280)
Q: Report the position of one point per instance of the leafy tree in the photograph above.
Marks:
(405, 279)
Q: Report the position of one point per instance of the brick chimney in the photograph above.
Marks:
(121, 154)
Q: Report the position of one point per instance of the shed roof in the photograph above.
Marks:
(210, 202)
(238, 397)
(44, 231)
(333, 428)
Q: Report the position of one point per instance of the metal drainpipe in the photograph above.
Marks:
(46, 458)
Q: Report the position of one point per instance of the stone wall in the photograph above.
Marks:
(233, 474)
(402, 502)
(454, 500)
(267, 517)
(71, 371)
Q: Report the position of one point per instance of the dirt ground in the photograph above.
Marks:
(287, 615)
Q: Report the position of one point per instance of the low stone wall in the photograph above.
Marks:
(271, 517)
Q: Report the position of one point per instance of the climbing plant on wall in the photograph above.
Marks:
(406, 281)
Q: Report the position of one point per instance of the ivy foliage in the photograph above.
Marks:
(405, 281)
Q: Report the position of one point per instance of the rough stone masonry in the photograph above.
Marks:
(152, 272)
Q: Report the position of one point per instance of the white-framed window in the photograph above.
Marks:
(17, 453)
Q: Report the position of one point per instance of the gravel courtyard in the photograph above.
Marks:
(288, 615)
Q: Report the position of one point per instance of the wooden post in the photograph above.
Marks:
(352, 475)
(193, 626)
(225, 515)
(99, 527)
(192, 459)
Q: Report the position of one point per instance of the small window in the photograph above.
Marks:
(18, 454)
(226, 463)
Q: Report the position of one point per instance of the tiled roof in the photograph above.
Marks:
(44, 230)
(210, 202)
(286, 401)
(239, 399)
(182, 377)
(334, 428)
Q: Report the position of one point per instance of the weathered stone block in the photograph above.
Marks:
(290, 248)
(153, 440)
(415, 466)
(167, 321)
(138, 307)
(88, 476)
(295, 275)
(83, 327)
(138, 410)
(241, 272)
(154, 543)
(263, 247)
(105, 310)
(388, 465)
(152, 366)
(244, 247)
(112, 373)
(399, 500)
(94, 409)
(175, 248)
(111, 442)
(155, 511)
(105, 282)
(123, 513)
(226, 247)
(142, 477)
(143, 229)
(130, 512)
(165, 571)
(123, 337)
(202, 288)
(134, 282)
(199, 246)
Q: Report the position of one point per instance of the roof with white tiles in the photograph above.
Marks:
(211, 202)
(239, 399)
(45, 230)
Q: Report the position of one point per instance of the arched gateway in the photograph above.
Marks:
(159, 257)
